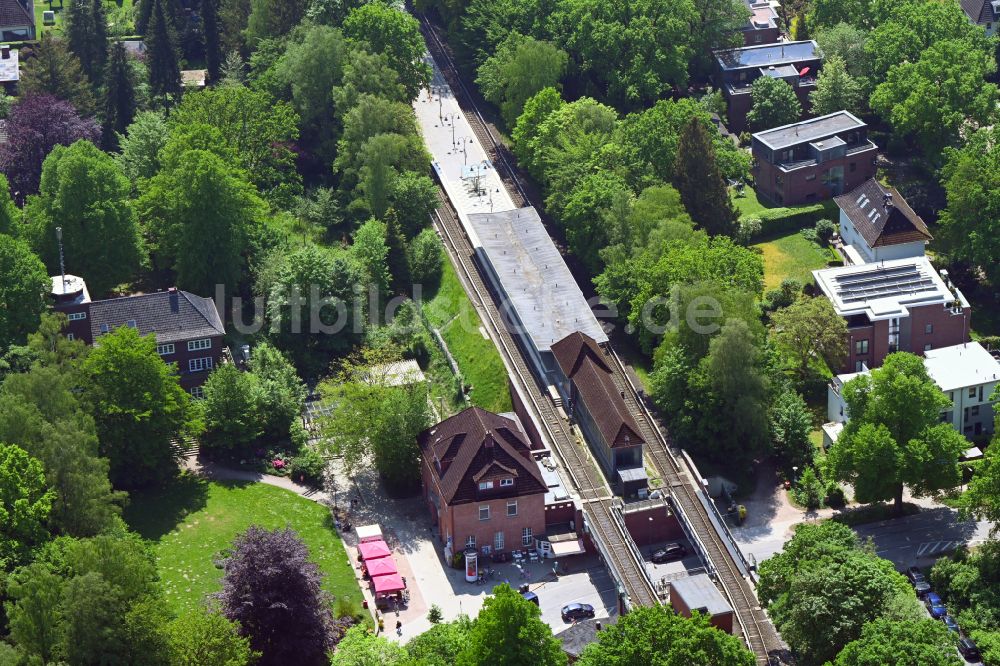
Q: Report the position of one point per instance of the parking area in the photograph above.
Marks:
(407, 528)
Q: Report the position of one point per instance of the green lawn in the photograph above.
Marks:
(193, 520)
(790, 256)
(111, 7)
(748, 203)
(450, 311)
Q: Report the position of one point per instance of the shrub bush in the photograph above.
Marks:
(308, 467)
(825, 229)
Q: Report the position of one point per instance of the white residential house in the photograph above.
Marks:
(984, 13)
(876, 224)
(966, 373)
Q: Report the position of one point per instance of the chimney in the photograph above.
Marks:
(174, 305)
(5, 52)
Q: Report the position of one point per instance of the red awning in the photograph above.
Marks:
(383, 566)
(372, 550)
(388, 584)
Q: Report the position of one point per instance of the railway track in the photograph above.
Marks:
(598, 504)
(758, 631)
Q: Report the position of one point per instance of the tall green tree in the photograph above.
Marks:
(34, 612)
(698, 179)
(360, 647)
(791, 424)
(24, 288)
(231, 405)
(10, 215)
(385, 28)
(84, 191)
(138, 405)
(933, 98)
(886, 642)
(519, 69)
(716, 25)
(56, 70)
(656, 635)
(202, 197)
(509, 631)
(983, 495)
(810, 331)
(772, 103)
(213, 39)
(836, 89)
(895, 436)
(119, 96)
(162, 53)
(86, 28)
(372, 252)
(273, 18)
(206, 638)
(971, 221)
(25, 503)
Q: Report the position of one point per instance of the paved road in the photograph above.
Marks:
(921, 538)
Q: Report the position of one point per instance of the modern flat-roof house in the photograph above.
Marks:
(17, 21)
(595, 403)
(699, 593)
(189, 331)
(982, 12)
(482, 486)
(813, 160)
(762, 25)
(736, 69)
(966, 373)
(894, 305)
(10, 69)
(876, 224)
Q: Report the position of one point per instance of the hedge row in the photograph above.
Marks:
(777, 221)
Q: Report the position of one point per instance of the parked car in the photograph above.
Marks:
(914, 574)
(952, 624)
(922, 588)
(669, 553)
(572, 612)
(969, 650)
(530, 597)
(935, 606)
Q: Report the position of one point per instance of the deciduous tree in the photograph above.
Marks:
(25, 503)
(24, 288)
(273, 590)
(205, 638)
(836, 89)
(138, 405)
(791, 424)
(772, 103)
(810, 330)
(509, 631)
(887, 642)
(84, 192)
(895, 437)
(384, 28)
(520, 68)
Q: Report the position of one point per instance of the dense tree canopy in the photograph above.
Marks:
(810, 330)
(509, 631)
(520, 68)
(887, 642)
(384, 28)
(55, 70)
(25, 503)
(24, 288)
(773, 103)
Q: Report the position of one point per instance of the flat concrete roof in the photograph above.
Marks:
(539, 290)
(883, 290)
(765, 55)
(961, 366)
(810, 130)
(700, 593)
(9, 68)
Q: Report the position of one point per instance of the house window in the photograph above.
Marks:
(861, 347)
(928, 329)
(105, 328)
(511, 507)
(470, 541)
(951, 396)
(498, 541)
(852, 167)
(859, 366)
(485, 485)
(927, 347)
(506, 482)
(526, 538)
(199, 364)
(197, 392)
(77, 316)
(70, 336)
(131, 323)
(484, 512)
(165, 349)
(198, 345)
(972, 391)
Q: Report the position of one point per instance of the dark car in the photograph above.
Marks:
(969, 650)
(572, 612)
(951, 623)
(935, 606)
(669, 553)
(922, 588)
(531, 597)
(914, 574)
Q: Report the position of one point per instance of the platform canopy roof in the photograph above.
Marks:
(382, 566)
(372, 550)
(388, 584)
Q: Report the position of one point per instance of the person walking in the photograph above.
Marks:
(399, 627)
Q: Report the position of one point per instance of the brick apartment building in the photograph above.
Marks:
(585, 382)
(895, 305)
(762, 25)
(482, 486)
(812, 160)
(189, 331)
(796, 63)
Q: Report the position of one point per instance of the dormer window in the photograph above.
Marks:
(486, 485)
(506, 482)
